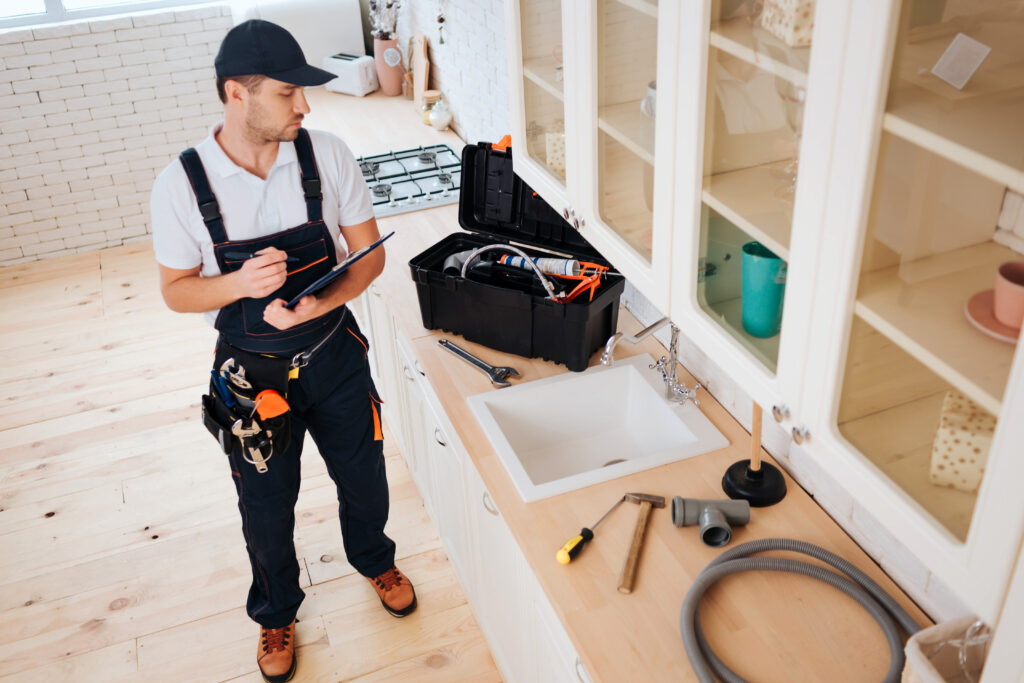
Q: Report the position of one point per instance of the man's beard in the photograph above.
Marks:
(260, 131)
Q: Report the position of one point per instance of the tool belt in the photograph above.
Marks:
(247, 403)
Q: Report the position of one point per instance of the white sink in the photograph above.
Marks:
(577, 429)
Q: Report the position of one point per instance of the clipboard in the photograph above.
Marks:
(337, 271)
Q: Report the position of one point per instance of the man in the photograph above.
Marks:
(241, 224)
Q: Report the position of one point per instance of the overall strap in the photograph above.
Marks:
(310, 177)
(208, 207)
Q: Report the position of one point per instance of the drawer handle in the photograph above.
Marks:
(419, 368)
(579, 671)
(489, 506)
(373, 289)
(408, 373)
(438, 439)
(801, 434)
(780, 412)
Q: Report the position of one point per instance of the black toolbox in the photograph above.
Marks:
(497, 207)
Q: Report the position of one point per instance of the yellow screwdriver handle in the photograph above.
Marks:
(568, 552)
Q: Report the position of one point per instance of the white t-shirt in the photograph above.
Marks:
(250, 206)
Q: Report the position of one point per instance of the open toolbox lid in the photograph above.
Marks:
(495, 201)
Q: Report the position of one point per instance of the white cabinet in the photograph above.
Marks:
(586, 80)
(822, 225)
(525, 636)
(384, 360)
(917, 182)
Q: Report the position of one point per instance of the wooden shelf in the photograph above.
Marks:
(544, 73)
(729, 314)
(986, 139)
(744, 40)
(920, 306)
(747, 198)
(630, 127)
(978, 126)
(899, 442)
(648, 7)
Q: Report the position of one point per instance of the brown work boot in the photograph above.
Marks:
(395, 591)
(276, 653)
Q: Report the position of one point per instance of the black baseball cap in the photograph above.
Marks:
(257, 47)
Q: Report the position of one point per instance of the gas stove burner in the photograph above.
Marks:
(411, 179)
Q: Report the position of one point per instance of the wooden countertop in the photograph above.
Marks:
(767, 627)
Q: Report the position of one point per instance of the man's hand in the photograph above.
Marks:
(262, 275)
(282, 318)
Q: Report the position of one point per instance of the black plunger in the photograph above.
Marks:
(760, 483)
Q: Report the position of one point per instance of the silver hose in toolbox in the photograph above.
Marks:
(861, 588)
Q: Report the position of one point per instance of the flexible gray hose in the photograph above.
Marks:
(861, 588)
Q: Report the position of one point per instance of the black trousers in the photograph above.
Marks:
(334, 398)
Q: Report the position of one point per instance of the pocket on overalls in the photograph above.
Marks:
(310, 255)
(375, 404)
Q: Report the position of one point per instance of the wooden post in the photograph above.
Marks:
(755, 440)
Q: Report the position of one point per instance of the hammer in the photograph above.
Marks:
(646, 502)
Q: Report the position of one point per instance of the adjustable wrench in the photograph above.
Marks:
(496, 374)
(239, 430)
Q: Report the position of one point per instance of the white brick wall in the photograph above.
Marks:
(470, 67)
(89, 113)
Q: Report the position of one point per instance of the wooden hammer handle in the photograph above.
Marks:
(629, 569)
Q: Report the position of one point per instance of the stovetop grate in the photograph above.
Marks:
(412, 179)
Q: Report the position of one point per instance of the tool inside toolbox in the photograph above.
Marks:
(501, 267)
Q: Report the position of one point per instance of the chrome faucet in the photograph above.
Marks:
(675, 391)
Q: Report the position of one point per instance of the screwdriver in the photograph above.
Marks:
(574, 545)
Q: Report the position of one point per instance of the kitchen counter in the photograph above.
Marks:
(767, 627)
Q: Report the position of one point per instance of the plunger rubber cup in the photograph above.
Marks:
(761, 488)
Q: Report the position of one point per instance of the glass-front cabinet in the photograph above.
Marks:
(750, 183)
(930, 290)
(539, 97)
(597, 103)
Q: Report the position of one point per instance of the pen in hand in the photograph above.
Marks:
(245, 255)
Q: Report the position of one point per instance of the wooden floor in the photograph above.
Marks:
(121, 552)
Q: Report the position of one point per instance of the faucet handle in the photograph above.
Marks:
(681, 394)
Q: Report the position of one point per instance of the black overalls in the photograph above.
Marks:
(332, 396)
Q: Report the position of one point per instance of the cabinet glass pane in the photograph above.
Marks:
(543, 83)
(626, 106)
(757, 84)
(927, 359)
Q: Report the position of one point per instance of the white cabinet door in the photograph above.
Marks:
(753, 141)
(542, 78)
(916, 404)
(446, 467)
(381, 333)
(626, 105)
(418, 421)
(557, 661)
(499, 597)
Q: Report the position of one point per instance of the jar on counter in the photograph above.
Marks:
(440, 115)
(430, 98)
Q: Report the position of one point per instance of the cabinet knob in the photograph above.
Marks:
(800, 434)
(576, 223)
(438, 439)
(408, 373)
(780, 412)
(565, 213)
(373, 289)
(419, 368)
(489, 504)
